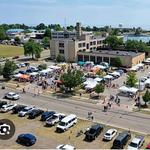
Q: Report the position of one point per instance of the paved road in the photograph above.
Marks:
(127, 120)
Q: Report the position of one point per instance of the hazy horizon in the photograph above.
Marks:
(129, 13)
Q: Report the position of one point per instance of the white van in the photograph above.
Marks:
(67, 122)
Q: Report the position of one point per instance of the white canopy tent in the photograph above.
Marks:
(108, 77)
(17, 75)
(125, 89)
(115, 73)
(90, 83)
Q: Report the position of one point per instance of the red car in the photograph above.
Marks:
(148, 146)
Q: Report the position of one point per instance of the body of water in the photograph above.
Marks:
(138, 38)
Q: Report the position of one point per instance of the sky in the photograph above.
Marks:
(129, 13)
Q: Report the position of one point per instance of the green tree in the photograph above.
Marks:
(46, 41)
(60, 58)
(47, 33)
(136, 45)
(42, 67)
(146, 97)
(2, 34)
(71, 79)
(9, 69)
(116, 62)
(113, 41)
(32, 48)
(17, 40)
(131, 79)
(99, 88)
(41, 26)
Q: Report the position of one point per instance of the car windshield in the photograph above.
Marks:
(133, 144)
(62, 123)
(92, 131)
(107, 134)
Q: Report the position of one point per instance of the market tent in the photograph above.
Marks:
(128, 89)
(54, 67)
(115, 73)
(81, 63)
(24, 76)
(43, 72)
(108, 77)
(123, 89)
(90, 83)
(95, 69)
(17, 75)
(98, 79)
(33, 73)
(101, 67)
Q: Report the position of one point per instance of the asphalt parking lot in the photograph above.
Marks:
(47, 138)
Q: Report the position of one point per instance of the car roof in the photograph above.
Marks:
(96, 126)
(110, 131)
(27, 135)
(11, 93)
(136, 140)
(66, 146)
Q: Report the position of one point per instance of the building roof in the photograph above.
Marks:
(15, 30)
(111, 52)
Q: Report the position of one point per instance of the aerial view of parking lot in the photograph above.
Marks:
(74, 81)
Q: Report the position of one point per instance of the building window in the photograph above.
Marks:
(106, 59)
(61, 44)
(99, 60)
(87, 46)
(91, 43)
(92, 58)
(83, 44)
(80, 57)
(61, 51)
(86, 58)
(94, 43)
(80, 45)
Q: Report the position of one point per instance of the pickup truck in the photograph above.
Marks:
(54, 119)
(136, 143)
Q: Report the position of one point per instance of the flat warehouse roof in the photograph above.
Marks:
(111, 52)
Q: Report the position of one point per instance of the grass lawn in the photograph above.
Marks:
(9, 51)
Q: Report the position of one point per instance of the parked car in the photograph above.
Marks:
(2, 103)
(65, 147)
(46, 115)
(92, 133)
(12, 96)
(26, 139)
(66, 123)
(148, 146)
(54, 119)
(35, 113)
(121, 140)
(17, 109)
(25, 111)
(110, 134)
(7, 107)
(136, 143)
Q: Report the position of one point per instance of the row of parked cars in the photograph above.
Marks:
(64, 122)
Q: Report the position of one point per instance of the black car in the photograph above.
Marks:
(26, 139)
(2, 103)
(18, 108)
(121, 140)
(46, 115)
(35, 113)
(93, 132)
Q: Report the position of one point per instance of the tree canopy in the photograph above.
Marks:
(2, 34)
(9, 69)
(99, 88)
(72, 78)
(146, 97)
(47, 33)
(32, 48)
(113, 41)
(131, 79)
(116, 62)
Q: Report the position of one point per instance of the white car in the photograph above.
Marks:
(25, 111)
(54, 119)
(65, 147)
(110, 134)
(8, 107)
(12, 96)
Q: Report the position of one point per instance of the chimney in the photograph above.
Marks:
(78, 30)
